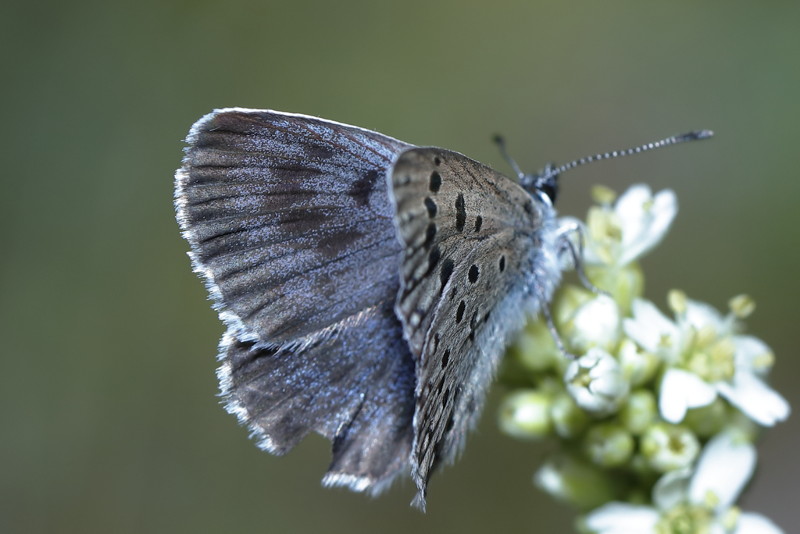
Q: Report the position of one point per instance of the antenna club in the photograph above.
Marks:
(700, 134)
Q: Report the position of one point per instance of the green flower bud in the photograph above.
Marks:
(526, 414)
(568, 418)
(576, 482)
(608, 445)
(534, 348)
(668, 447)
(707, 420)
(638, 365)
(639, 412)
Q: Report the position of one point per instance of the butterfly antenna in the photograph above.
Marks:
(501, 144)
(673, 140)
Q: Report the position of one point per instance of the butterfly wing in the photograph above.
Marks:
(477, 254)
(290, 224)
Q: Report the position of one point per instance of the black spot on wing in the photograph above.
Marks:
(528, 207)
(361, 188)
(447, 271)
(461, 213)
(473, 326)
(430, 235)
(460, 311)
(433, 259)
(430, 205)
(473, 274)
(435, 182)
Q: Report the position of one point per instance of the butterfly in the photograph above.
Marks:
(369, 287)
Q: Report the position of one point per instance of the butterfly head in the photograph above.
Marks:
(543, 183)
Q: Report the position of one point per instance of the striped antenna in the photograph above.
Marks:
(674, 140)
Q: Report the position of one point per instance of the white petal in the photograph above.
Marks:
(751, 353)
(630, 204)
(750, 523)
(606, 386)
(550, 479)
(681, 390)
(672, 489)
(649, 326)
(756, 399)
(644, 225)
(596, 323)
(700, 315)
(622, 518)
(725, 466)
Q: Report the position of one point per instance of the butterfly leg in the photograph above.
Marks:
(551, 326)
(570, 252)
(574, 250)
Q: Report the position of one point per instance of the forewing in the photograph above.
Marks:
(289, 222)
(471, 238)
(289, 219)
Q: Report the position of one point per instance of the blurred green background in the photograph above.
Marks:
(107, 394)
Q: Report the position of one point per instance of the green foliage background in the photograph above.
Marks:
(109, 419)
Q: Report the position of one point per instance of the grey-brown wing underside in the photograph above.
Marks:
(473, 241)
(290, 224)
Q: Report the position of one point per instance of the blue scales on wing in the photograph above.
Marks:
(290, 224)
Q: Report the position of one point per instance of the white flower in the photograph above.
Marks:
(699, 501)
(596, 323)
(637, 223)
(680, 391)
(747, 391)
(706, 358)
(596, 382)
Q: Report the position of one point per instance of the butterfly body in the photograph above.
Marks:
(369, 287)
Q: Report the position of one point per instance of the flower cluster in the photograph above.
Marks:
(655, 416)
